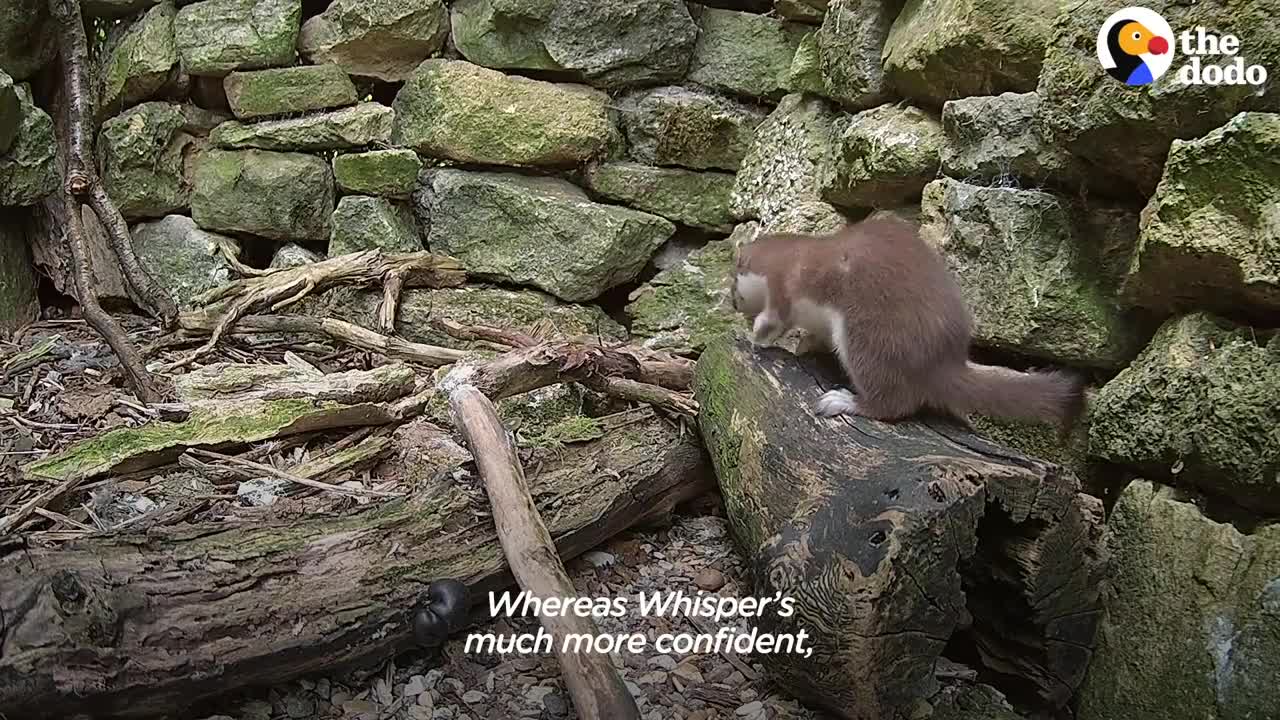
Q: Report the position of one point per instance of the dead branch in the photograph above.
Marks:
(593, 683)
(277, 290)
(339, 330)
(293, 478)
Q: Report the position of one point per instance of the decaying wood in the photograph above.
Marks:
(617, 371)
(81, 186)
(280, 289)
(593, 683)
(138, 624)
(901, 544)
(339, 330)
(293, 478)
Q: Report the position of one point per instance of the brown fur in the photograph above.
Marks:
(908, 329)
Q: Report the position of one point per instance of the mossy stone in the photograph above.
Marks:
(182, 258)
(996, 140)
(1200, 406)
(616, 43)
(282, 196)
(364, 125)
(389, 173)
(1028, 276)
(18, 302)
(278, 91)
(28, 39)
(1209, 236)
(1190, 626)
(696, 199)
(454, 110)
(366, 223)
(502, 34)
(744, 54)
(884, 158)
(688, 127)
(29, 171)
(215, 37)
(849, 47)
(381, 39)
(10, 113)
(683, 307)
(141, 61)
(783, 166)
(143, 155)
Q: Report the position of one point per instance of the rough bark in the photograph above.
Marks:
(901, 544)
(141, 624)
(593, 683)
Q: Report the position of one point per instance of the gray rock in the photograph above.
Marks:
(293, 255)
(10, 113)
(390, 173)
(995, 139)
(1032, 283)
(697, 199)
(783, 165)
(358, 126)
(686, 305)
(621, 42)
(1210, 235)
(538, 231)
(503, 34)
(143, 155)
(808, 217)
(981, 47)
(27, 38)
(884, 158)
(1190, 624)
(29, 171)
(459, 111)
(383, 39)
(182, 258)
(18, 302)
(849, 45)
(688, 127)
(278, 91)
(281, 196)
(805, 11)
(215, 37)
(365, 223)
(140, 62)
(1199, 407)
(744, 53)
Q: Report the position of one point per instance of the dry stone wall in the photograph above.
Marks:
(578, 155)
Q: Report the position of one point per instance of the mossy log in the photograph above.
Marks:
(906, 547)
(137, 625)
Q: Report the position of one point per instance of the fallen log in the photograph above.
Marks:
(904, 546)
(593, 683)
(141, 624)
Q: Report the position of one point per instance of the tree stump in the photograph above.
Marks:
(133, 625)
(907, 547)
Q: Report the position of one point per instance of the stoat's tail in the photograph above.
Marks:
(1045, 396)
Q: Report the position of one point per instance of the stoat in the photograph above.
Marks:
(884, 300)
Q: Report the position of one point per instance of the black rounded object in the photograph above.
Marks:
(443, 612)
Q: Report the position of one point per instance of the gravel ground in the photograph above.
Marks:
(694, 554)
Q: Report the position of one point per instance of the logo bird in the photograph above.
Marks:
(1128, 41)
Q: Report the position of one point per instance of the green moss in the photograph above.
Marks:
(569, 430)
(885, 156)
(141, 62)
(207, 425)
(696, 199)
(685, 307)
(389, 173)
(297, 89)
(744, 53)
(27, 171)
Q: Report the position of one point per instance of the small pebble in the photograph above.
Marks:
(709, 579)
(471, 697)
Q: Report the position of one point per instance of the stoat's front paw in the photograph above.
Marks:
(809, 345)
(836, 402)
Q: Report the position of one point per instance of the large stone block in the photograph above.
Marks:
(1033, 282)
(140, 62)
(27, 37)
(849, 46)
(143, 155)
(696, 199)
(688, 127)
(359, 126)
(536, 231)
(215, 37)
(684, 306)
(389, 173)
(282, 196)
(1190, 628)
(280, 91)
(884, 157)
(1200, 406)
(29, 170)
(366, 223)
(1128, 130)
(782, 167)
(458, 111)
(744, 53)
(383, 39)
(996, 139)
(939, 51)
(1210, 236)
(182, 258)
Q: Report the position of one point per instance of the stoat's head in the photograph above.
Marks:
(750, 286)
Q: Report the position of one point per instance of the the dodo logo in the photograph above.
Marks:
(1135, 46)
